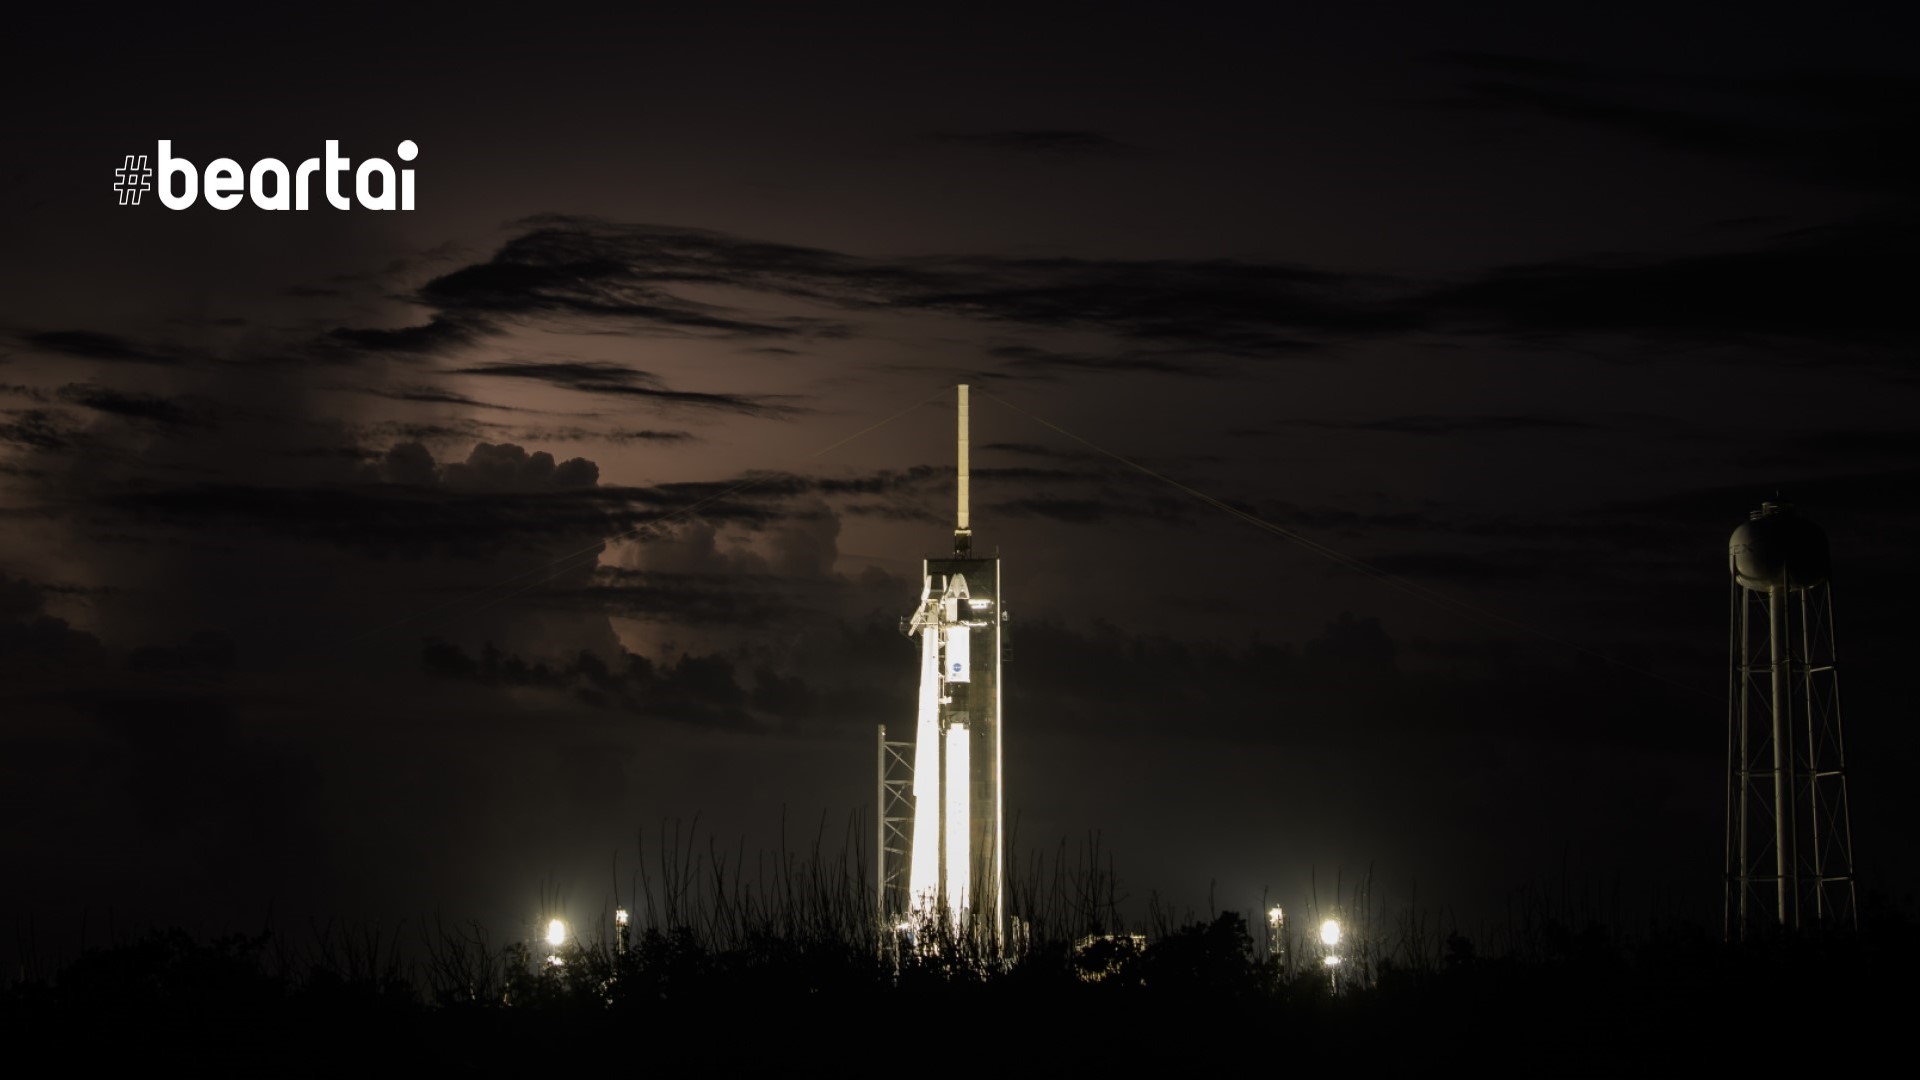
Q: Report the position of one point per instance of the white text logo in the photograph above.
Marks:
(268, 183)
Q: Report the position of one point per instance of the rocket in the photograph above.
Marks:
(956, 835)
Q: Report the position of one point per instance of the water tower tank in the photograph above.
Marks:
(1778, 547)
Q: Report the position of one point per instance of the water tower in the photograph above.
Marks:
(940, 820)
(1789, 838)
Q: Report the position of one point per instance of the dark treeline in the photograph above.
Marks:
(719, 970)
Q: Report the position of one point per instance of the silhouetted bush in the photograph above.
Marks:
(714, 964)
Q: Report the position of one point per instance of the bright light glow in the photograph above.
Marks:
(923, 871)
(556, 933)
(1330, 932)
(1332, 961)
(620, 917)
(1274, 915)
(959, 820)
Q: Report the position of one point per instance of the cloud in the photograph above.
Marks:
(1841, 284)
(626, 275)
(570, 267)
(1455, 425)
(458, 430)
(433, 396)
(92, 345)
(617, 436)
(37, 648)
(1222, 306)
(1030, 358)
(1072, 511)
(19, 598)
(500, 498)
(1031, 450)
(130, 404)
(38, 429)
(500, 503)
(711, 597)
(508, 468)
(704, 690)
(603, 378)
(365, 518)
(1346, 686)
(1168, 317)
(763, 485)
(437, 335)
(1848, 130)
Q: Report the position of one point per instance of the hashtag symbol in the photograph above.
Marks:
(133, 180)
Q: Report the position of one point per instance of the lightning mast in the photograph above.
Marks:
(941, 819)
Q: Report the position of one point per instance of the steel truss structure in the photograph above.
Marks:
(1789, 842)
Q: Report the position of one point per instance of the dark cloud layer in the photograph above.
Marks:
(94, 345)
(1447, 426)
(1347, 685)
(599, 377)
(1848, 129)
(1839, 284)
(133, 405)
(1167, 317)
(38, 429)
(37, 649)
(1032, 358)
(435, 336)
(702, 690)
(595, 269)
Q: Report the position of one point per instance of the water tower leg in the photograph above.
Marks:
(1777, 599)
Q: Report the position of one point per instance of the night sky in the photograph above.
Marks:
(361, 564)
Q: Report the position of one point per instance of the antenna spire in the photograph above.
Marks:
(963, 528)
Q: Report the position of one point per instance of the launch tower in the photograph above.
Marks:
(941, 816)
